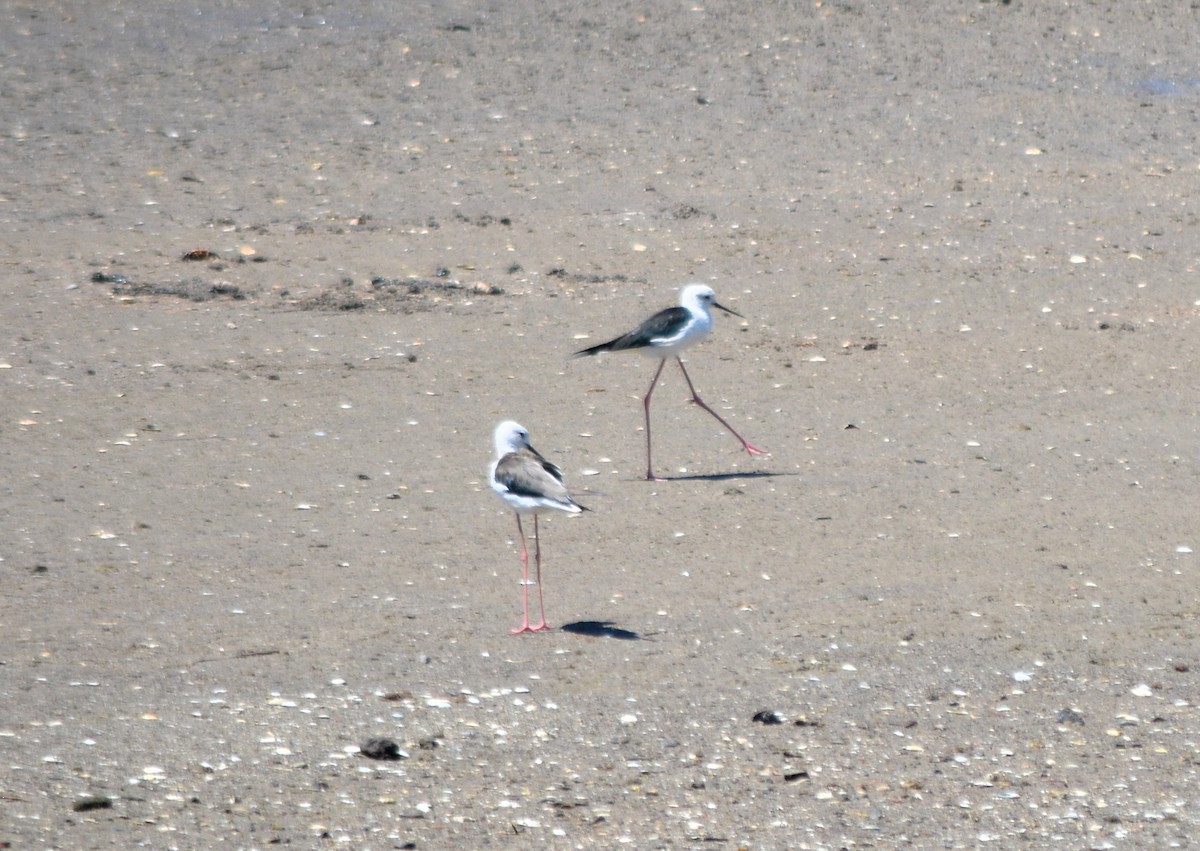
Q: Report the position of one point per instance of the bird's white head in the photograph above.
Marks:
(700, 297)
(510, 436)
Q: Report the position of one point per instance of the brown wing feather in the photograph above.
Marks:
(533, 476)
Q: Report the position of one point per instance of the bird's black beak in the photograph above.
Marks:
(727, 310)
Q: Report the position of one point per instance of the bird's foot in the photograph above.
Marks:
(752, 449)
(526, 627)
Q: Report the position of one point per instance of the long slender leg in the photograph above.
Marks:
(537, 558)
(646, 404)
(524, 578)
(747, 445)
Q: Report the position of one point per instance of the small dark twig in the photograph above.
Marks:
(241, 654)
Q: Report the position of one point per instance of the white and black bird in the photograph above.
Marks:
(664, 335)
(530, 485)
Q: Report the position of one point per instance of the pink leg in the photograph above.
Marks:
(525, 627)
(747, 445)
(646, 404)
(537, 557)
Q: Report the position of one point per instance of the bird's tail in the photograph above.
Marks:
(594, 350)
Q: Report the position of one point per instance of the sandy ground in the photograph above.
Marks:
(245, 522)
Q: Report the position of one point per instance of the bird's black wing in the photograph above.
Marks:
(665, 323)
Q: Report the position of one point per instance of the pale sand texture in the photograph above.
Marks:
(241, 536)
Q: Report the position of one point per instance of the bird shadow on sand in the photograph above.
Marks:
(724, 477)
(600, 629)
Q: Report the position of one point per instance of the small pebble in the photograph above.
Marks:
(1070, 716)
(380, 748)
(92, 802)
